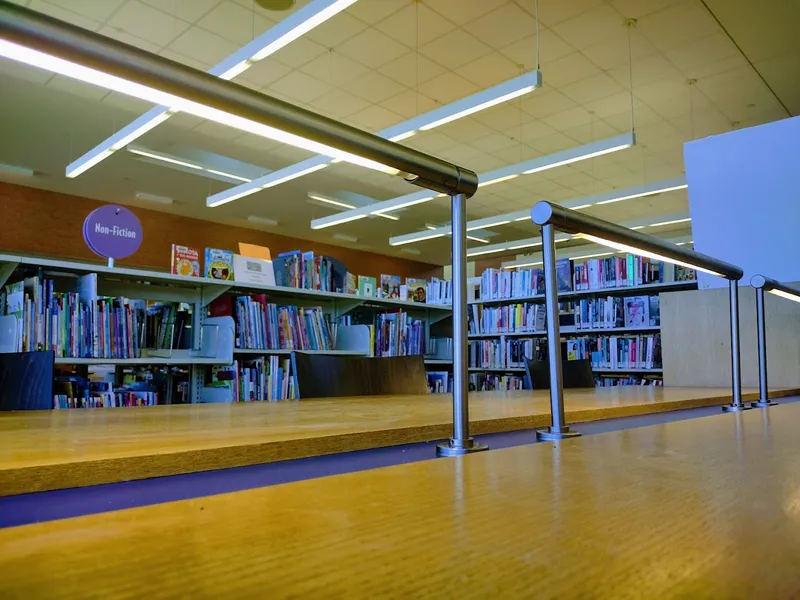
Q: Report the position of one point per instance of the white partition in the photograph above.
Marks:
(744, 199)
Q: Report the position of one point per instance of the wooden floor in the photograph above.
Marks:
(61, 449)
(702, 508)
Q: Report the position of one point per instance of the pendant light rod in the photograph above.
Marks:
(39, 33)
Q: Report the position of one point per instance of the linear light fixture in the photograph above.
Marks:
(345, 238)
(156, 156)
(262, 221)
(469, 237)
(503, 174)
(498, 94)
(342, 204)
(153, 198)
(533, 242)
(638, 191)
(15, 170)
(579, 253)
(295, 25)
(63, 67)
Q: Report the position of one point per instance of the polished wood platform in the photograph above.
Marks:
(62, 449)
(702, 508)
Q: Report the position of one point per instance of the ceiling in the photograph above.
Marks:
(381, 62)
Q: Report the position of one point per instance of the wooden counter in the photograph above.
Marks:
(62, 449)
(703, 508)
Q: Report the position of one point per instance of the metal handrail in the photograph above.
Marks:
(552, 217)
(46, 34)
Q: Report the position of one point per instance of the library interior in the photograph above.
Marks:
(399, 298)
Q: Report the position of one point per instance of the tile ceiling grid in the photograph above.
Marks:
(361, 67)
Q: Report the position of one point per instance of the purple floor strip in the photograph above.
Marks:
(61, 504)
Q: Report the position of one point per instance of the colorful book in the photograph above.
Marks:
(390, 287)
(366, 286)
(185, 261)
(417, 289)
(219, 264)
(563, 275)
(637, 311)
(352, 283)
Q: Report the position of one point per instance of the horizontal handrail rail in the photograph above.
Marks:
(622, 238)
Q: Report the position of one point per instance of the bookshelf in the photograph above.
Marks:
(199, 293)
(504, 329)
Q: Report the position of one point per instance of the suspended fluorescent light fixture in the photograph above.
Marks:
(153, 198)
(622, 239)
(579, 253)
(16, 170)
(511, 245)
(292, 27)
(153, 155)
(262, 221)
(639, 191)
(503, 174)
(469, 237)
(342, 204)
(63, 67)
(493, 96)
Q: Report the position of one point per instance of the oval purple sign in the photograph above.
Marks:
(112, 232)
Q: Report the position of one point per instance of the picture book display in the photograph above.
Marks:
(390, 287)
(219, 264)
(366, 286)
(185, 261)
(417, 289)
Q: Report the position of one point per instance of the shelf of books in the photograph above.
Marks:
(215, 337)
(609, 313)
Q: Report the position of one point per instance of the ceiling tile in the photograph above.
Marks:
(448, 88)
(591, 89)
(63, 14)
(375, 118)
(336, 30)
(542, 103)
(496, 141)
(265, 72)
(127, 38)
(188, 10)
(614, 51)
(374, 87)
(502, 26)
(372, 12)
(77, 88)
(300, 87)
(148, 23)
(462, 11)
(679, 24)
(615, 104)
(553, 143)
(17, 70)
(636, 9)
(203, 45)
(299, 52)
(372, 48)
(489, 70)
(504, 116)
(551, 47)
(455, 49)
(415, 25)
(339, 103)
(468, 130)
(334, 68)
(568, 69)
(411, 69)
(592, 27)
(235, 23)
(220, 132)
(532, 130)
(410, 104)
(432, 141)
(552, 12)
(96, 11)
(704, 51)
(127, 103)
(645, 71)
(568, 118)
